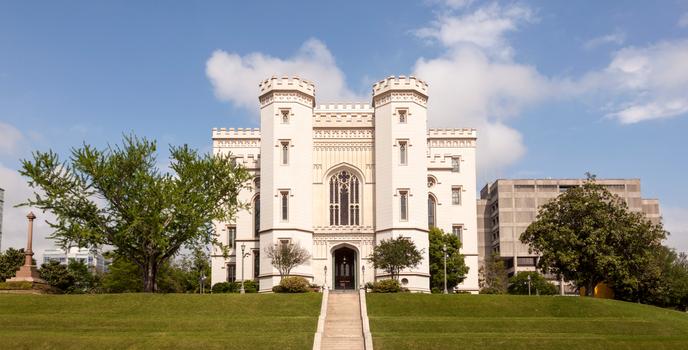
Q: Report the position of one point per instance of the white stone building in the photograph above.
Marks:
(338, 178)
(92, 258)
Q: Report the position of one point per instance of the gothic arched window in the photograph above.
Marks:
(432, 212)
(344, 199)
(256, 216)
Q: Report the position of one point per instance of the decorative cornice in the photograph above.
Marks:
(286, 96)
(343, 133)
(400, 96)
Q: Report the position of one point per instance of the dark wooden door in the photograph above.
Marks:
(344, 269)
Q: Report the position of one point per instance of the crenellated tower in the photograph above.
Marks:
(401, 192)
(286, 162)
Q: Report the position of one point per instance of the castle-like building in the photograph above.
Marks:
(339, 178)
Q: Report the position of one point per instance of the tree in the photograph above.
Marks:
(74, 278)
(394, 255)
(123, 276)
(664, 282)
(456, 267)
(589, 236)
(286, 256)
(10, 262)
(494, 277)
(118, 197)
(518, 284)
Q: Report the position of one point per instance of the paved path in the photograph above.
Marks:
(343, 329)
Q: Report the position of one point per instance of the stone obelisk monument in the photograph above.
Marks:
(28, 272)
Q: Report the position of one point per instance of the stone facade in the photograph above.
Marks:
(339, 178)
(506, 208)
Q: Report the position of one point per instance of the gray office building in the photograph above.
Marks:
(506, 207)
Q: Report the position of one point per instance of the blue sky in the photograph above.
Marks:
(555, 89)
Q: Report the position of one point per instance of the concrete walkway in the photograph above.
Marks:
(343, 327)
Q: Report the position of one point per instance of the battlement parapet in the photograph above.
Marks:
(434, 133)
(238, 133)
(344, 108)
(287, 83)
(401, 82)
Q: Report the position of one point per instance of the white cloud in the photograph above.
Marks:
(10, 139)
(14, 222)
(617, 38)
(235, 78)
(642, 83)
(683, 21)
(476, 82)
(676, 222)
(485, 28)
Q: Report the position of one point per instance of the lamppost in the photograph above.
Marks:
(243, 255)
(528, 284)
(325, 277)
(363, 282)
(444, 253)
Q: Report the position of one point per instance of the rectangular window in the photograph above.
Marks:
(256, 264)
(403, 150)
(284, 199)
(403, 205)
(402, 116)
(456, 164)
(285, 152)
(231, 272)
(285, 115)
(456, 195)
(231, 236)
(457, 230)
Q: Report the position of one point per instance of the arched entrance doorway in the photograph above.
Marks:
(344, 268)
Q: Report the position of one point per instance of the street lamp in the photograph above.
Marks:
(243, 255)
(528, 284)
(325, 277)
(444, 251)
(363, 282)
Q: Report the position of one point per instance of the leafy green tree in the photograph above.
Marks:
(494, 279)
(518, 284)
(118, 197)
(394, 255)
(85, 281)
(57, 275)
(10, 261)
(589, 236)
(664, 282)
(123, 276)
(456, 266)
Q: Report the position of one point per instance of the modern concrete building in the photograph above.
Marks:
(2, 205)
(92, 258)
(506, 207)
(339, 178)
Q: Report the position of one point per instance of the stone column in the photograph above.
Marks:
(28, 272)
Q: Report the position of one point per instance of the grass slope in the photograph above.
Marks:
(423, 321)
(172, 321)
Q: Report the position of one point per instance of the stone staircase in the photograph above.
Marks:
(343, 326)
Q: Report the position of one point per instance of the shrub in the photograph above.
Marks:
(387, 286)
(222, 287)
(293, 284)
(249, 286)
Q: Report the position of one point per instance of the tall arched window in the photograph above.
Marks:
(344, 199)
(432, 212)
(256, 216)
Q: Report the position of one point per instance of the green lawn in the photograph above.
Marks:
(172, 321)
(423, 321)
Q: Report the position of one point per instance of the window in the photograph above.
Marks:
(403, 205)
(256, 263)
(456, 164)
(403, 150)
(526, 261)
(344, 199)
(285, 115)
(432, 212)
(457, 230)
(456, 195)
(231, 236)
(284, 196)
(402, 116)
(431, 182)
(256, 216)
(285, 152)
(256, 184)
(284, 242)
(231, 272)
